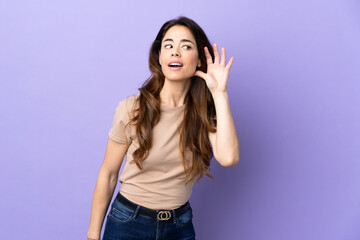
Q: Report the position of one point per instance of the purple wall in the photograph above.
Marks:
(294, 90)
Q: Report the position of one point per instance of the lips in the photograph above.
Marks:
(175, 64)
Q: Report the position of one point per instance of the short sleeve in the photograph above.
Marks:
(118, 132)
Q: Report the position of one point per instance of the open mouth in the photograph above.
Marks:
(175, 66)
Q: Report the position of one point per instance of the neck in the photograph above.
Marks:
(173, 92)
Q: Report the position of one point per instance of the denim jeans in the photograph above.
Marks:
(123, 223)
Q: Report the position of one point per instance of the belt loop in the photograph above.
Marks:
(136, 212)
(174, 215)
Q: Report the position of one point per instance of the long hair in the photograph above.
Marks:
(199, 111)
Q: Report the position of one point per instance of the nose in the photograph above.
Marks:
(175, 52)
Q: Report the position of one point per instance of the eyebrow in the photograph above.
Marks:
(182, 40)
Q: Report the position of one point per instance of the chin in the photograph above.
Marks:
(173, 77)
(178, 78)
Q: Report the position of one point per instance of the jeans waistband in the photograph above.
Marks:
(156, 214)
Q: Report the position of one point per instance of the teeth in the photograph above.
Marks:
(175, 64)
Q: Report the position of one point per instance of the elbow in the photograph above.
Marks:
(233, 160)
(230, 162)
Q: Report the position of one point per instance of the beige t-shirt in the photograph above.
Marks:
(158, 185)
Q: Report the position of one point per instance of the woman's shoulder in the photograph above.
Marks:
(129, 102)
(130, 98)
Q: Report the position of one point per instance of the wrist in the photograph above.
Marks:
(218, 94)
(93, 236)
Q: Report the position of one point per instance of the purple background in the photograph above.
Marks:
(294, 91)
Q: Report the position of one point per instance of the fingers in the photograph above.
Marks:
(217, 57)
(200, 74)
(208, 56)
(228, 66)
(216, 53)
(223, 57)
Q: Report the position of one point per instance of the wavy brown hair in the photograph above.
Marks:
(199, 111)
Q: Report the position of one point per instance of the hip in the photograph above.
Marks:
(127, 220)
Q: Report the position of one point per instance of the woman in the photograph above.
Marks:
(169, 132)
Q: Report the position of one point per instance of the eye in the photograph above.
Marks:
(187, 46)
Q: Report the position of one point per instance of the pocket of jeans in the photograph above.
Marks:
(184, 218)
(120, 213)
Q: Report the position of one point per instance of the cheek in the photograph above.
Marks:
(194, 60)
(160, 58)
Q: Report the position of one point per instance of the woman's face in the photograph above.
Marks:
(178, 45)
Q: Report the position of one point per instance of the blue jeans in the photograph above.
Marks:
(123, 223)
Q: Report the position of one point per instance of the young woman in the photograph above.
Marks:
(169, 131)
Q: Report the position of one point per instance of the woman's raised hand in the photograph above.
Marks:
(217, 74)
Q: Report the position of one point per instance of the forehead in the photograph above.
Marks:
(179, 32)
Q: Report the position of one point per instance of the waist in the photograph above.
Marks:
(155, 214)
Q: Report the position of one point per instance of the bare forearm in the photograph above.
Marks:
(104, 190)
(227, 141)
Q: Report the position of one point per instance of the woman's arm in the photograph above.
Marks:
(105, 185)
(225, 141)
